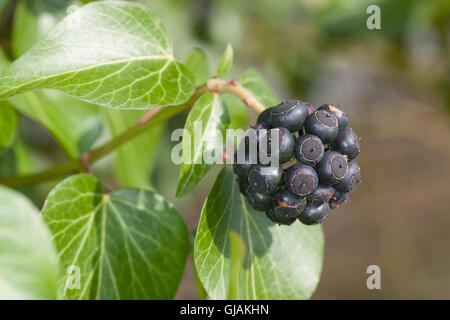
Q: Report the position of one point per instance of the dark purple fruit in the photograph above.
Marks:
(339, 198)
(301, 179)
(347, 142)
(287, 205)
(258, 201)
(277, 217)
(309, 149)
(281, 149)
(322, 124)
(264, 116)
(338, 112)
(290, 114)
(332, 168)
(314, 214)
(322, 194)
(351, 179)
(264, 180)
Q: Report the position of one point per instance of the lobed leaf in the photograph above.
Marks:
(112, 53)
(129, 244)
(27, 255)
(281, 262)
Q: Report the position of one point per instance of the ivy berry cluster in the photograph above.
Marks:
(317, 170)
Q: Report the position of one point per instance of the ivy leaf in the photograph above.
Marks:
(8, 119)
(237, 254)
(282, 262)
(27, 255)
(197, 63)
(253, 81)
(226, 62)
(134, 160)
(112, 53)
(209, 115)
(129, 244)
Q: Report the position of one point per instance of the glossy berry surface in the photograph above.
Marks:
(290, 114)
(322, 124)
(301, 180)
(314, 214)
(338, 112)
(309, 149)
(332, 169)
(264, 116)
(258, 201)
(322, 194)
(351, 179)
(347, 143)
(288, 205)
(338, 199)
(264, 180)
(278, 218)
(282, 148)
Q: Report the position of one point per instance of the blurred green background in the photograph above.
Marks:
(394, 83)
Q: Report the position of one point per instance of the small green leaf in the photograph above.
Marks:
(253, 81)
(203, 135)
(129, 244)
(27, 255)
(226, 62)
(238, 251)
(8, 119)
(135, 159)
(112, 53)
(282, 262)
(197, 63)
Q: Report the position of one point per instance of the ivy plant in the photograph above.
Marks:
(109, 66)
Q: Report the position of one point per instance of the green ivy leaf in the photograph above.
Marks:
(253, 81)
(210, 115)
(8, 119)
(112, 53)
(27, 255)
(282, 262)
(135, 159)
(129, 244)
(237, 253)
(197, 63)
(226, 62)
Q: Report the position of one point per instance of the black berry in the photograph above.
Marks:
(351, 179)
(301, 179)
(347, 142)
(332, 168)
(322, 124)
(290, 114)
(277, 217)
(258, 201)
(264, 116)
(338, 112)
(283, 149)
(314, 214)
(288, 205)
(339, 198)
(309, 149)
(322, 194)
(264, 180)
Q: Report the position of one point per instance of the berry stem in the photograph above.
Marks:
(233, 87)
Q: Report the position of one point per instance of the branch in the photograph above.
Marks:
(233, 87)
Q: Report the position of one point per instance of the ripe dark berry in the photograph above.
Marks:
(241, 167)
(301, 179)
(322, 194)
(264, 116)
(258, 201)
(264, 180)
(339, 198)
(347, 142)
(287, 205)
(277, 217)
(332, 168)
(351, 179)
(310, 108)
(322, 124)
(314, 214)
(338, 112)
(309, 149)
(290, 114)
(283, 149)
